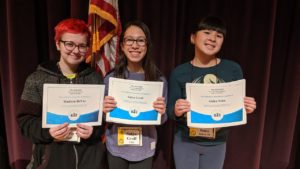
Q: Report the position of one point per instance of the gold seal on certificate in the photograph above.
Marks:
(72, 103)
(216, 105)
(134, 101)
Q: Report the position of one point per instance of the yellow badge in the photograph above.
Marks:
(209, 133)
(130, 136)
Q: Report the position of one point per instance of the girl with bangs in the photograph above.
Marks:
(206, 150)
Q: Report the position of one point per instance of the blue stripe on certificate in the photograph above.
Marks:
(53, 118)
(228, 118)
(124, 114)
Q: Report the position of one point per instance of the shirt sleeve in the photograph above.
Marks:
(173, 94)
(30, 114)
(164, 117)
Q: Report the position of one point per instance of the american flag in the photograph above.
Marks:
(105, 24)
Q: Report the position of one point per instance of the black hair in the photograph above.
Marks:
(152, 73)
(211, 23)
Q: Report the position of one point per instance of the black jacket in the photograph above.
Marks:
(47, 153)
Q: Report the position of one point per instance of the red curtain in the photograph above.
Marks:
(262, 36)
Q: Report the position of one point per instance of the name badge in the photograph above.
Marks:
(129, 136)
(209, 133)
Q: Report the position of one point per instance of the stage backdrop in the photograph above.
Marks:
(263, 36)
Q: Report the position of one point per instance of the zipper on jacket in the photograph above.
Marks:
(76, 157)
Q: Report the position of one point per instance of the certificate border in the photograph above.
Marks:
(217, 124)
(135, 122)
(45, 108)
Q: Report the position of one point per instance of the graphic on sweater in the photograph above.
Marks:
(208, 79)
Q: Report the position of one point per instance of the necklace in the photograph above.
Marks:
(206, 70)
(140, 70)
(194, 62)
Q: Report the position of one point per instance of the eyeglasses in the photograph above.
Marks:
(70, 46)
(139, 41)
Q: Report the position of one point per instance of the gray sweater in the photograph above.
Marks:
(46, 152)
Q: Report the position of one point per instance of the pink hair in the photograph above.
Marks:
(71, 25)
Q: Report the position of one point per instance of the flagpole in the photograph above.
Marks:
(93, 55)
(105, 25)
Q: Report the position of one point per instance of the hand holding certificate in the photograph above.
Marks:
(134, 101)
(216, 105)
(72, 103)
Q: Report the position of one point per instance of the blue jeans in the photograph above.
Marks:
(191, 155)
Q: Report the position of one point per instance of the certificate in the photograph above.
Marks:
(216, 105)
(72, 103)
(134, 101)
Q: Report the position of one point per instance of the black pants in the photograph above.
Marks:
(120, 163)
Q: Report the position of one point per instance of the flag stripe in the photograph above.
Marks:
(104, 6)
(107, 15)
(106, 28)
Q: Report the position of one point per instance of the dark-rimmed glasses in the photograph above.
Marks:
(139, 41)
(70, 46)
